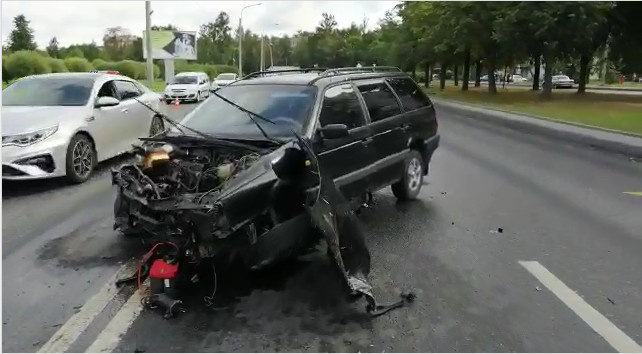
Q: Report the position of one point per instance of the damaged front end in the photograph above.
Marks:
(213, 198)
(258, 202)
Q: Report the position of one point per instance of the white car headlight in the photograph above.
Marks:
(29, 138)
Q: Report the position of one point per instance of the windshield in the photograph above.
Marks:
(226, 77)
(286, 105)
(184, 80)
(48, 91)
(561, 77)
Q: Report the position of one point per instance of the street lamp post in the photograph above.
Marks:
(148, 43)
(241, 33)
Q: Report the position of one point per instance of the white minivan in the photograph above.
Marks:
(188, 86)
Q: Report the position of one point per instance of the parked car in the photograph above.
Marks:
(562, 81)
(266, 172)
(518, 78)
(188, 86)
(484, 78)
(223, 80)
(64, 124)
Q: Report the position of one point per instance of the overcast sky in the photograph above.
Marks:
(83, 21)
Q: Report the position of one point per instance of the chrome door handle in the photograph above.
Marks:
(125, 110)
(366, 141)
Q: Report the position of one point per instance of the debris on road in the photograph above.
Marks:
(538, 288)
(611, 300)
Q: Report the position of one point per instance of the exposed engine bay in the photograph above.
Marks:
(195, 201)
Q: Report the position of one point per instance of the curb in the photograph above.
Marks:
(611, 141)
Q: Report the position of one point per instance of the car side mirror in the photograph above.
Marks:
(106, 101)
(334, 131)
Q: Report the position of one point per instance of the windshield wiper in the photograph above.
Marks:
(176, 124)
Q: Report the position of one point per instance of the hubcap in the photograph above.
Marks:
(82, 158)
(414, 174)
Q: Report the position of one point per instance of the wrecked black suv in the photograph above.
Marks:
(270, 165)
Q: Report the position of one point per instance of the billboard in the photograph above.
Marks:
(171, 45)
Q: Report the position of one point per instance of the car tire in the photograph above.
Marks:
(198, 97)
(412, 179)
(168, 101)
(80, 148)
(157, 126)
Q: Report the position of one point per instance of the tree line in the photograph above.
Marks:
(459, 40)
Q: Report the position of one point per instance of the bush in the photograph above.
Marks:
(100, 64)
(226, 69)
(25, 63)
(80, 65)
(143, 70)
(210, 70)
(6, 77)
(57, 65)
(130, 68)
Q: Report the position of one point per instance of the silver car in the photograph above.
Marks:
(562, 81)
(64, 124)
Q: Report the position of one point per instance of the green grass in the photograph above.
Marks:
(157, 85)
(610, 111)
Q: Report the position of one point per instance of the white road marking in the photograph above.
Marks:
(600, 324)
(68, 333)
(109, 338)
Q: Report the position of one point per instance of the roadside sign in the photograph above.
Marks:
(171, 45)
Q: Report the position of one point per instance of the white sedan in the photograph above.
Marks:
(64, 124)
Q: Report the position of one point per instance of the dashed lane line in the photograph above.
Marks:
(636, 194)
(68, 333)
(600, 324)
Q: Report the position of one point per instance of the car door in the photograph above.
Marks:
(388, 127)
(136, 118)
(348, 159)
(105, 124)
(205, 86)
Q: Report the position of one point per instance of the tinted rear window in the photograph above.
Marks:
(409, 93)
(380, 100)
(48, 91)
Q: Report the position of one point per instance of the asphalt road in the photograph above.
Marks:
(558, 205)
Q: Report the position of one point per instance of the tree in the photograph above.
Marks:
(53, 49)
(625, 43)
(21, 36)
(216, 41)
(327, 24)
(168, 27)
(116, 41)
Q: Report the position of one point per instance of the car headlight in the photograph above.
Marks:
(29, 138)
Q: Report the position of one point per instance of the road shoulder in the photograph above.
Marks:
(613, 141)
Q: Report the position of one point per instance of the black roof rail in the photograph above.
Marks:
(267, 72)
(365, 69)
